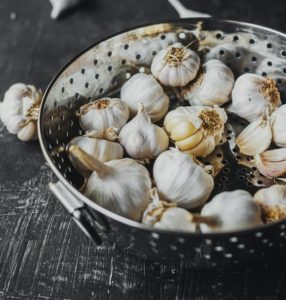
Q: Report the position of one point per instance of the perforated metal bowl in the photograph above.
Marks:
(100, 70)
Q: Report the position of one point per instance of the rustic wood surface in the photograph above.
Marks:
(43, 255)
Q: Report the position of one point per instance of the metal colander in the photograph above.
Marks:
(100, 71)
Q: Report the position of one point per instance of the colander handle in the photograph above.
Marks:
(77, 209)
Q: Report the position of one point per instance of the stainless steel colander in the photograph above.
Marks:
(100, 71)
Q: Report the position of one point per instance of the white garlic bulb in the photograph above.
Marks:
(168, 216)
(102, 114)
(143, 88)
(196, 129)
(272, 201)
(141, 138)
(212, 86)
(59, 6)
(252, 94)
(278, 125)
(180, 180)
(175, 65)
(122, 185)
(229, 211)
(19, 110)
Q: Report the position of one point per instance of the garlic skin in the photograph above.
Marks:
(278, 125)
(229, 211)
(180, 180)
(141, 138)
(196, 129)
(175, 65)
(272, 201)
(212, 86)
(59, 6)
(252, 94)
(122, 185)
(102, 114)
(143, 88)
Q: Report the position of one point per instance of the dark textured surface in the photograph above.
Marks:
(43, 255)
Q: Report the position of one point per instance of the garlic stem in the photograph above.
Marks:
(211, 221)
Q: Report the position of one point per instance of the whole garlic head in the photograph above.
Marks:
(196, 129)
(180, 180)
(141, 138)
(102, 114)
(272, 201)
(278, 125)
(143, 88)
(122, 185)
(229, 211)
(176, 65)
(212, 86)
(252, 94)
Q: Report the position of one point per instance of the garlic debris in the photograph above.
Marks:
(196, 129)
(278, 125)
(212, 86)
(143, 88)
(272, 201)
(122, 185)
(102, 114)
(175, 65)
(180, 180)
(228, 211)
(59, 6)
(168, 216)
(19, 110)
(271, 163)
(252, 94)
(141, 138)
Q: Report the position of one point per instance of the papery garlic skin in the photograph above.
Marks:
(102, 114)
(143, 88)
(180, 180)
(278, 125)
(176, 65)
(230, 211)
(213, 85)
(141, 138)
(252, 94)
(59, 6)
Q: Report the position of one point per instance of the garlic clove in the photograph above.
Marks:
(278, 125)
(204, 148)
(59, 6)
(28, 132)
(183, 130)
(190, 142)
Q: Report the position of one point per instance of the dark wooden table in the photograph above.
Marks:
(43, 255)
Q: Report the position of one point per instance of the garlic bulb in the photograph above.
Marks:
(272, 201)
(256, 137)
(122, 186)
(180, 180)
(102, 114)
(212, 86)
(141, 138)
(196, 129)
(164, 215)
(59, 6)
(19, 110)
(252, 94)
(228, 211)
(278, 125)
(175, 65)
(143, 88)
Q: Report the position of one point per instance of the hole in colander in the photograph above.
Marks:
(283, 53)
(251, 41)
(154, 52)
(109, 53)
(253, 59)
(269, 45)
(138, 56)
(123, 62)
(95, 62)
(63, 89)
(246, 70)
(279, 81)
(219, 36)
(219, 155)
(101, 90)
(269, 63)
(237, 55)
(264, 74)
(109, 68)
(82, 71)
(55, 103)
(163, 37)
(96, 76)
(221, 52)
(86, 84)
(71, 81)
(126, 46)
(284, 70)
(235, 38)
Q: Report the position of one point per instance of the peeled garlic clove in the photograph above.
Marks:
(278, 125)
(141, 138)
(28, 132)
(102, 114)
(143, 88)
(229, 211)
(272, 201)
(255, 138)
(180, 180)
(176, 65)
(252, 94)
(212, 86)
(59, 6)
(122, 186)
(271, 163)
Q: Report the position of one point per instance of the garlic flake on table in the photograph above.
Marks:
(102, 114)
(19, 110)
(252, 94)
(196, 129)
(179, 179)
(141, 138)
(278, 125)
(143, 88)
(59, 6)
(175, 65)
(212, 86)
(122, 185)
